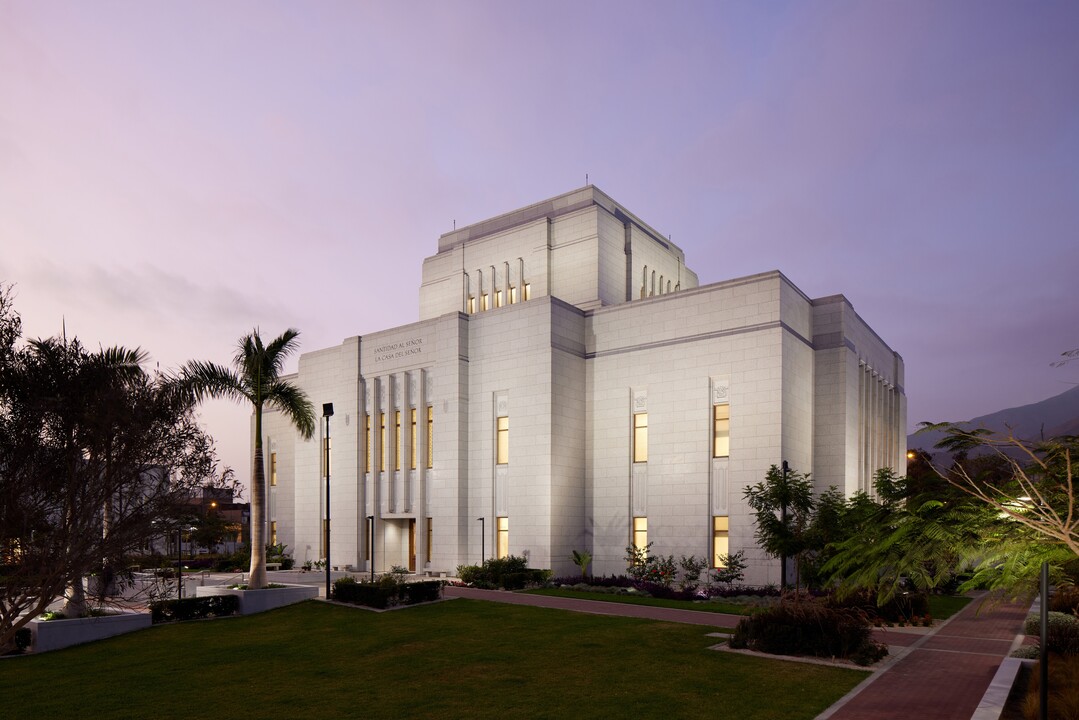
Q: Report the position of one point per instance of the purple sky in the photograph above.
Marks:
(173, 174)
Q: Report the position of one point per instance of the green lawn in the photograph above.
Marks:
(446, 660)
(716, 607)
(942, 607)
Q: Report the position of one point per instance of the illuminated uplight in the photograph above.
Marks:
(910, 454)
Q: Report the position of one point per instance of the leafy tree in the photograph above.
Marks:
(256, 379)
(93, 451)
(732, 570)
(783, 503)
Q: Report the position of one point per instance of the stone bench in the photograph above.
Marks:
(273, 566)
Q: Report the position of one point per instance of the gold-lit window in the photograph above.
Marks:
(430, 436)
(498, 298)
(502, 542)
(513, 294)
(367, 435)
(503, 440)
(640, 532)
(721, 430)
(273, 469)
(382, 442)
(483, 301)
(397, 440)
(273, 532)
(323, 538)
(721, 539)
(640, 437)
(412, 439)
(471, 305)
(528, 292)
(430, 536)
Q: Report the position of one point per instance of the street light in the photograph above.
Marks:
(327, 412)
(483, 539)
(371, 520)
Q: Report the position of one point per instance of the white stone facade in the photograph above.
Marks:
(613, 324)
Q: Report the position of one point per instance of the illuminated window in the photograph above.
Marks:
(483, 301)
(273, 532)
(471, 305)
(273, 469)
(412, 439)
(721, 433)
(367, 435)
(498, 298)
(397, 440)
(640, 532)
(382, 442)
(528, 292)
(513, 294)
(721, 539)
(503, 440)
(430, 536)
(502, 541)
(640, 437)
(430, 436)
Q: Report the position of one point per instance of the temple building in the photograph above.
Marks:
(570, 386)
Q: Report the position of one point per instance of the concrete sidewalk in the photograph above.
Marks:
(939, 674)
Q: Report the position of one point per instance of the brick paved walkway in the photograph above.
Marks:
(937, 675)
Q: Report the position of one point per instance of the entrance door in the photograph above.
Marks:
(412, 545)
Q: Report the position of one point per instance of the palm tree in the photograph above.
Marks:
(256, 379)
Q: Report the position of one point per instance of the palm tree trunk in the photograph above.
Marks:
(257, 579)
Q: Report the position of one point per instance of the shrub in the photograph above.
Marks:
(23, 636)
(194, 608)
(509, 573)
(1063, 632)
(1063, 689)
(809, 627)
(902, 608)
(1065, 600)
(733, 570)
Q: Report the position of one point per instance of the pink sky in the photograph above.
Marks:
(173, 174)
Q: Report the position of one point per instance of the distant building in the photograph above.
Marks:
(570, 386)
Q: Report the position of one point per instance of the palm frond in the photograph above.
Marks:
(293, 402)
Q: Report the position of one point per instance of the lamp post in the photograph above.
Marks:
(371, 519)
(327, 412)
(179, 563)
(783, 520)
(483, 539)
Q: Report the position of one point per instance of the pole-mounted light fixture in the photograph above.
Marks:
(327, 412)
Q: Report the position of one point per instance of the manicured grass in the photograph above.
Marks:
(462, 658)
(942, 607)
(716, 607)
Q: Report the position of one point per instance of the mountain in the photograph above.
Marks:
(1058, 415)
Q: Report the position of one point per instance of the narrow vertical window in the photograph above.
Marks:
(273, 469)
(528, 292)
(503, 454)
(382, 442)
(640, 533)
(397, 440)
(640, 437)
(367, 540)
(430, 537)
(498, 298)
(367, 440)
(503, 539)
(273, 532)
(430, 436)
(483, 301)
(322, 539)
(513, 294)
(721, 542)
(721, 430)
(412, 439)
(471, 305)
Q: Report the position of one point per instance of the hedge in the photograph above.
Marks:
(379, 595)
(194, 608)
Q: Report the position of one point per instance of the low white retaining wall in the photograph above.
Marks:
(55, 634)
(256, 601)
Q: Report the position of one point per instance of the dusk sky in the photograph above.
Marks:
(173, 174)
